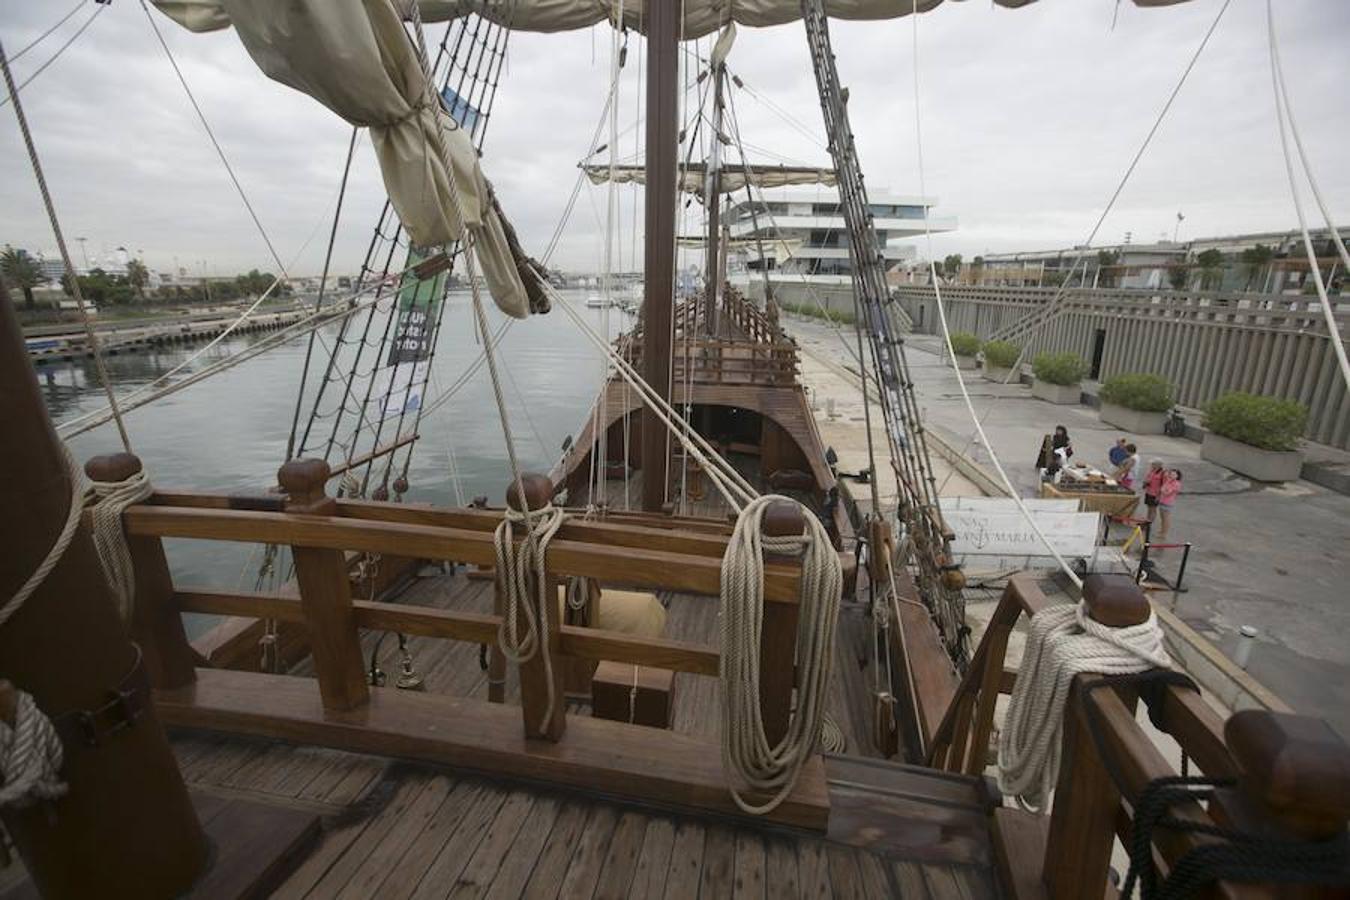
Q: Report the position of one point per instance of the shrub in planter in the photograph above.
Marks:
(1255, 436)
(1057, 377)
(965, 345)
(1137, 402)
(999, 358)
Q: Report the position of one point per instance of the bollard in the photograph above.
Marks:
(1246, 640)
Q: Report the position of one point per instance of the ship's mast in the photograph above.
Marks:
(659, 250)
(713, 275)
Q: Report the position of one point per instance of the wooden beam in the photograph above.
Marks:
(609, 758)
(478, 628)
(357, 462)
(624, 565)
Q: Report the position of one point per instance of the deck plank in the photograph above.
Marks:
(584, 871)
(750, 877)
(557, 853)
(455, 853)
(719, 862)
(405, 791)
(617, 871)
(519, 862)
(686, 860)
(781, 870)
(402, 878)
(482, 868)
(411, 822)
(653, 864)
(814, 870)
(845, 879)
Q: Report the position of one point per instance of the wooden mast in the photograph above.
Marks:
(659, 250)
(126, 826)
(713, 269)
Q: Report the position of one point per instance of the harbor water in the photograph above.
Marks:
(228, 433)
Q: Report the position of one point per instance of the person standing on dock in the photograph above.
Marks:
(1153, 482)
(1167, 498)
(1117, 453)
(1124, 473)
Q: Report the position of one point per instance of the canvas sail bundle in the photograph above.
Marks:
(733, 176)
(354, 57)
(701, 17)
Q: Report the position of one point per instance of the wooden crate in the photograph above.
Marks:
(612, 694)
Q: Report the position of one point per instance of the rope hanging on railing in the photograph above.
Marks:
(745, 747)
(30, 756)
(110, 541)
(1064, 642)
(520, 567)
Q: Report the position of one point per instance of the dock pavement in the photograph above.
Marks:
(1271, 557)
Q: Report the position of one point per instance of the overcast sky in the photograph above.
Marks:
(1029, 117)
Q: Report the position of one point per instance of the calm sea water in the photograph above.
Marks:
(228, 433)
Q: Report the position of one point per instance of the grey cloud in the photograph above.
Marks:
(1029, 119)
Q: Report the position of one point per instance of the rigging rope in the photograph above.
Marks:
(1282, 111)
(62, 49)
(42, 37)
(1064, 641)
(525, 584)
(50, 205)
(59, 545)
(746, 752)
(1042, 317)
(110, 540)
(215, 143)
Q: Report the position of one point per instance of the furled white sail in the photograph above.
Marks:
(354, 57)
(734, 176)
(701, 17)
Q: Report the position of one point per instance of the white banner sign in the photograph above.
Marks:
(401, 391)
(1007, 534)
(1005, 505)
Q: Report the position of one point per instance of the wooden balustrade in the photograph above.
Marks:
(343, 711)
(1293, 772)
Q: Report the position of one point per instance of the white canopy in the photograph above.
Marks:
(701, 17)
(355, 58)
(734, 176)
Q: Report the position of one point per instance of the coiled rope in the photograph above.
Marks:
(745, 747)
(520, 567)
(1064, 641)
(110, 541)
(30, 756)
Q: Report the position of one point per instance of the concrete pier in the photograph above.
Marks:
(1265, 556)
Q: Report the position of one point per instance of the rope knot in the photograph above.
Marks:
(30, 756)
(106, 501)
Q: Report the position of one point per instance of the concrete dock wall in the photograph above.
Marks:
(1207, 343)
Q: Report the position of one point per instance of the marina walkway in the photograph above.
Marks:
(1268, 556)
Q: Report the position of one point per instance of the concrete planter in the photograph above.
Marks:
(965, 363)
(1133, 421)
(994, 373)
(1255, 463)
(1062, 394)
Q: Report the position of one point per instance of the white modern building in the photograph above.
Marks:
(797, 239)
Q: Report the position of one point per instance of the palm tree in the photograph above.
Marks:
(22, 271)
(138, 276)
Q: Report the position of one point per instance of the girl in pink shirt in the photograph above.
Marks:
(1168, 490)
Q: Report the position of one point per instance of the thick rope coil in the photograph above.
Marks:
(110, 541)
(517, 565)
(745, 748)
(63, 539)
(30, 757)
(832, 738)
(1064, 641)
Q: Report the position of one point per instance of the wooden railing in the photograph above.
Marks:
(339, 708)
(1292, 773)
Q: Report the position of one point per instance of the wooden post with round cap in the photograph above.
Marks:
(156, 624)
(1082, 821)
(125, 827)
(1293, 783)
(325, 593)
(534, 701)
